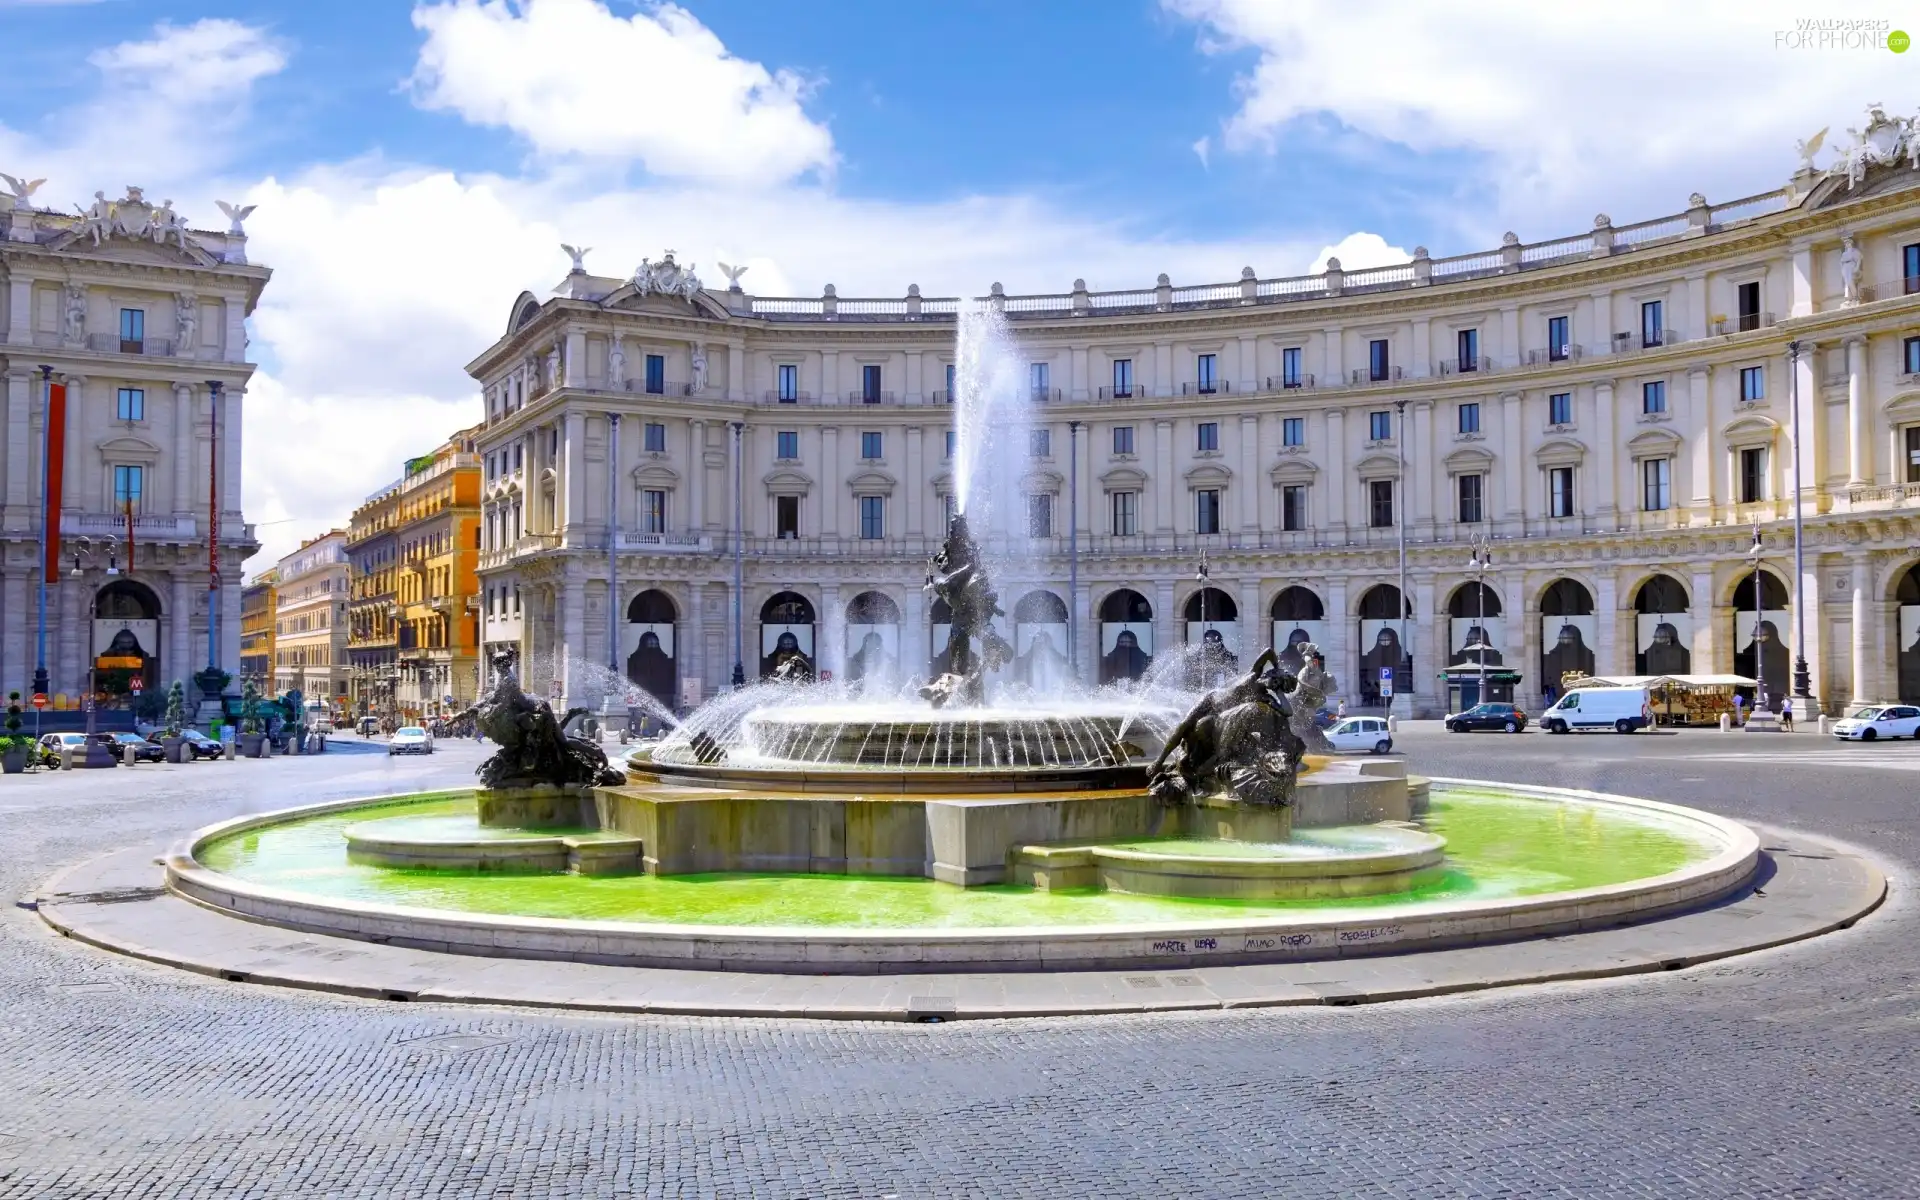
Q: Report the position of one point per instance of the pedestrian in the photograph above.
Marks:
(1739, 709)
(1341, 712)
(1786, 715)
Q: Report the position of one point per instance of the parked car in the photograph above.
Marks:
(60, 743)
(1503, 717)
(368, 726)
(1872, 722)
(144, 750)
(1621, 709)
(410, 739)
(198, 744)
(1367, 734)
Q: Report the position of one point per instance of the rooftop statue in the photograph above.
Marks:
(533, 749)
(957, 576)
(1237, 741)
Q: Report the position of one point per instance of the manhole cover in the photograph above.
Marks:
(1184, 980)
(1142, 981)
(457, 1043)
(84, 989)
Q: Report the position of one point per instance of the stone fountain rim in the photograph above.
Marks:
(837, 949)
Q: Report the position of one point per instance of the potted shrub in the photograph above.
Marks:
(251, 736)
(13, 758)
(173, 743)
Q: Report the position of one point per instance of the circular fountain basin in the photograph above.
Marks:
(443, 843)
(1520, 862)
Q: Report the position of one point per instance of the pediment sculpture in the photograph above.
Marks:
(1884, 142)
(666, 278)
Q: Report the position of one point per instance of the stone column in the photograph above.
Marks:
(916, 637)
(1700, 445)
(696, 476)
(1420, 459)
(1078, 376)
(1332, 451)
(1606, 463)
(911, 393)
(832, 482)
(183, 446)
(1163, 369)
(1514, 465)
(1521, 599)
(830, 651)
(1166, 625)
(1707, 625)
(1800, 272)
(179, 660)
(830, 377)
(1429, 646)
(1163, 519)
(1249, 365)
(574, 369)
(1608, 657)
(1859, 428)
(67, 635)
(17, 627)
(1248, 483)
(913, 484)
(1256, 630)
(1421, 366)
(22, 392)
(1333, 369)
(573, 480)
(571, 646)
(736, 372)
(1860, 567)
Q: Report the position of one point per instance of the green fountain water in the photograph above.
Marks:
(1497, 845)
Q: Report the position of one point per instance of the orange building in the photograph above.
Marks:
(436, 595)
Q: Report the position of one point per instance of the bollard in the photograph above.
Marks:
(228, 748)
(1393, 724)
(131, 754)
(1726, 722)
(1823, 724)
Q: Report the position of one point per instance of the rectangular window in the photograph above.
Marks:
(1748, 295)
(1380, 493)
(1753, 383)
(1910, 355)
(653, 516)
(132, 404)
(1471, 487)
(1040, 443)
(1040, 516)
(1653, 396)
(1560, 408)
(127, 483)
(870, 445)
(1206, 511)
(1469, 358)
(1293, 431)
(948, 509)
(951, 372)
(1910, 257)
(1470, 418)
(1293, 507)
(656, 438)
(1656, 475)
(1560, 491)
(789, 384)
(1652, 327)
(1290, 367)
(1753, 475)
(873, 510)
(1040, 380)
(1208, 436)
(787, 443)
(786, 516)
(1913, 454)
(950, 443)
(1122, 378)
(656, 374)
(519, 455)
(1559, 338)
(133, 329)
(870, 383)
(1204, 374)
(1377, 364)
(1379, 425)
(1126, 508)
(1123, 436)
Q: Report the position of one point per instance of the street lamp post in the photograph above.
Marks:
(213, 526)
(1759, 628)
(1073, 548)
(739, 662)
(613, 543)
(41, 682)
(1400, 523)
(97, 755)
(1801, 679)
(1481, 562)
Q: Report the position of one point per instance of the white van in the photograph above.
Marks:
(1621, 709)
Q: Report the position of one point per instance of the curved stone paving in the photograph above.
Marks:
(1785, 1072)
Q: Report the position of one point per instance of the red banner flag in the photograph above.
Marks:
(54, 473)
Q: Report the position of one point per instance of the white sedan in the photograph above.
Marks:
(1368, 734)
(1877, 721)
(410, 739)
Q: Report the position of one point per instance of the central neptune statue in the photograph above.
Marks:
(956, 575)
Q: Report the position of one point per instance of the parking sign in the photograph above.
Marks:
(1386, 681)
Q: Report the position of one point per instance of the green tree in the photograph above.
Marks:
(176, 708)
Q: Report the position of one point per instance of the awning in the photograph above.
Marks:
(1660, 681)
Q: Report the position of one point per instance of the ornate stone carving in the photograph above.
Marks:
(666, 278)
(1237, 741)
(236, 217)
(533, 750)
(957, 576)
(1884, 142)
(579, 256)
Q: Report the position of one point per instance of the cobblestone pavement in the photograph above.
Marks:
(1789, 1072)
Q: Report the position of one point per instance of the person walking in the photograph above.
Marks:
(1739, 710)
(1786, 715)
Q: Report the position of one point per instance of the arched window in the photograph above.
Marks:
(652, 607)
(787, 608)
(1126, 605)
(1298, 604)
(1211, 604)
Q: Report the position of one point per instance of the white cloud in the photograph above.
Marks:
(1203, 149)
(166, 112)
(1575, 109)
(1357, 252)
(657, 87)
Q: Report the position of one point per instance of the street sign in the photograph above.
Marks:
(1386, 681)
(826, 677)
(135, 686)
(39, 699)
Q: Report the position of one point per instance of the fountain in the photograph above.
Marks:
(804, 824)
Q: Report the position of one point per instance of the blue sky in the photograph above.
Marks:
(417, 162)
